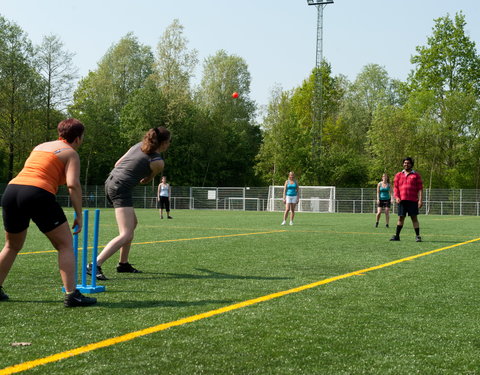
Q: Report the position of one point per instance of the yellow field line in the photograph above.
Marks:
(175, 240)
(161, 327)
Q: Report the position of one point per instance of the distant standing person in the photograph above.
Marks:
(163, 195)
(384, 199)
(31, 196)
(408, 192)
(290, 197)
(138, 166)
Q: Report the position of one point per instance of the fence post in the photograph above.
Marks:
(461, 202)
(361, 201)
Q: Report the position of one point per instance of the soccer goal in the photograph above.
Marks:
(311, 199)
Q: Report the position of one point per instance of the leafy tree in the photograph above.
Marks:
(449, 61)
(58, 72)
(20, 89)
(174, 67)
(238, 137)
(99, 101)
(280, 133)
(444, 95)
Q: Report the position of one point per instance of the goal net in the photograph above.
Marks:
(311, 199)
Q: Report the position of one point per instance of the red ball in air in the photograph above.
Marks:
(235, 95)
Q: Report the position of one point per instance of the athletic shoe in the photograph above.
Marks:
(127, 267)
(386, 226)
(376, 225)
(395, 238)
(291, 223)
(418, 239)
(283, 222)
(169, 217)
(3, 295)
(77, 299)
(100, 275)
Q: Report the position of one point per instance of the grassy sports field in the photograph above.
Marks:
(208, 301)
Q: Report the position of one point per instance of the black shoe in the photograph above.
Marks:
(100, 275)
(395, 238)
(386, 225)
(3, 295)
(376, 225)
(127, 267)
(169, 217)
(77, 299)
(418, 239)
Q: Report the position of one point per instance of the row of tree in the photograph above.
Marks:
(367, 125)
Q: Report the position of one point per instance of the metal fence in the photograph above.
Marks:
(347, 200)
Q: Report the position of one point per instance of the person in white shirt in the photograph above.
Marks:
(163, 197)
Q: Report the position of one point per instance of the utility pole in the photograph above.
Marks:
(317, 102)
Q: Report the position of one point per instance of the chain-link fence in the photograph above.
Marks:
(347, 200)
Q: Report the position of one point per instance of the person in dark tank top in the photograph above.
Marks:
(140, 164)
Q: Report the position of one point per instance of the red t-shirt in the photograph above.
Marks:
(407, 185)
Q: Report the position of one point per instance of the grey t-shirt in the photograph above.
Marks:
(134, 166)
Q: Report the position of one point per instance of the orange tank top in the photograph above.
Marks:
(43, 169)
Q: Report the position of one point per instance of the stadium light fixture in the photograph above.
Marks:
(319, 2)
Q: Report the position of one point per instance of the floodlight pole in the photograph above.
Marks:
(317, 103)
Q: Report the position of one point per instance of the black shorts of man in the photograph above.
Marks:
(408, 193)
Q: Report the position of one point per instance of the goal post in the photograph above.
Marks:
(310, 199)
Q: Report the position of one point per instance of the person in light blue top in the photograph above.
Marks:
(290, 197)
(384, 199)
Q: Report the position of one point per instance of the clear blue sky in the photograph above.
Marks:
(276, 38)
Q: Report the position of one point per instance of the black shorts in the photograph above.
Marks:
(164, 203)
(408, 207)
(384, 203)
(20, 203)
(118, 195)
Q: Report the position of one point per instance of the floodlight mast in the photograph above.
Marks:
(317, 123)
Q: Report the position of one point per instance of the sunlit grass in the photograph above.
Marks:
(417, 316)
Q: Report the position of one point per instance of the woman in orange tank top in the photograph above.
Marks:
(31, 196)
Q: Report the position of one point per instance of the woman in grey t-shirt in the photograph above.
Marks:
(138, 166)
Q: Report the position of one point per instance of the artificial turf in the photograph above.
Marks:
(415, 316)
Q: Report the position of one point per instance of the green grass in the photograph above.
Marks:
(418, 316)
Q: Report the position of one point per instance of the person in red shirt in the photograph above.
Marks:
(408, 193)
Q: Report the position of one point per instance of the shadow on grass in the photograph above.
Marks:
(208, 274)
(153, 303)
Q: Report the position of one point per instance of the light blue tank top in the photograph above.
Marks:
(384, 193)
(291, 189)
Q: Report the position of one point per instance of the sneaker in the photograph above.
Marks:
(169, 217)
(3, 295)
(77, 299)
(386, 226)
(283, 222)
(395, 238)
(127, 267)
(418, 239)
(100, 275)
(291, 223)
(376, 225)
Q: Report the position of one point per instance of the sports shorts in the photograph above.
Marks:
(291, 199)
(408, 207)
(384, 203)
(118, 195)
(20, 203)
